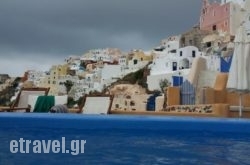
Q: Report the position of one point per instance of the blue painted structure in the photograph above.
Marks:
(151, 102)
(177, 80)
(125, 139)
(225, 63)
(187, 93)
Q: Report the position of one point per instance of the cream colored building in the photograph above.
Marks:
(128, 97)
(51, 79)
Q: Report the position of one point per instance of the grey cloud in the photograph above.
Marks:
(61, 27)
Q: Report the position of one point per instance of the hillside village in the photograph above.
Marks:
(193, 58)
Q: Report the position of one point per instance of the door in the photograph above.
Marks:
(174, 66)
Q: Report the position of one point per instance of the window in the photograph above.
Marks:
(128, 97)
(193, 53)
(173, 51)
(132, 103)
(214, 28)
(135, 62)
(209, 44)
(180, 53)
(174, 65)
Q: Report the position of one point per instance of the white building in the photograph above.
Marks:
(122, 61)
(79, 89)
(240, 2)
(246, 18)
(35, 76)
(213, 62)
(110, 73)
(177, 63)
(181, 59)
(135, 64)
(171, 43)
(105, 55)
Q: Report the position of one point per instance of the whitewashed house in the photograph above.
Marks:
(213, 62)
(110, 73)
(173, 63)
(170, 43)
(35, 77)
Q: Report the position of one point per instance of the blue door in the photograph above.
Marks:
(177, 81)
(187, 93)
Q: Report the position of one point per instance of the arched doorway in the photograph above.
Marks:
(184, 64)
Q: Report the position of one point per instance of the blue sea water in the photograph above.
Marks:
(129, 139)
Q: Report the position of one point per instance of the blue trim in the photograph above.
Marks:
(225, 64)
(187, 93)
(177, 80)
(151, 102)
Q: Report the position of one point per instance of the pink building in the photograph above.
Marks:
(223, 17)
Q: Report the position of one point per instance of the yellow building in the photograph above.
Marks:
(52, 78)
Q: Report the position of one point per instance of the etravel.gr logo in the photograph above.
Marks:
(47, 146)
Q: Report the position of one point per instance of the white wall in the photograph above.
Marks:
(247, 23)
(240, 2)
(110, 71)
(171, 43)
(236, 18)
(134, 67)
(154, 80)
(162, 64)
(213, 62)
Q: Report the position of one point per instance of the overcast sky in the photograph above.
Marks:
(35, 34)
